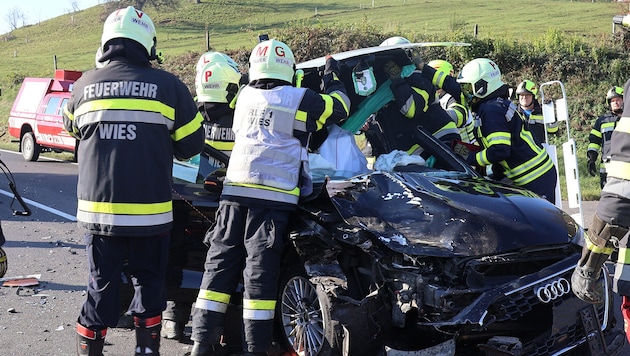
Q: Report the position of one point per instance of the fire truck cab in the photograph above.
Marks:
(36, 116)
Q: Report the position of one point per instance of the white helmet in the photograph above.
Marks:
(483, 77)
(394, 41)
(213, 56)
(132, 24)
(272, 59)
(217, 82)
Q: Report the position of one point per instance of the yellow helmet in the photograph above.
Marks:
(394, 41)
(217, 81)
(527, 87)
(612, 93)
(442, 66)
(272, 59)
(132, 24)
(483, 77)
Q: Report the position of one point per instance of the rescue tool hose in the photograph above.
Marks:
(26, 211)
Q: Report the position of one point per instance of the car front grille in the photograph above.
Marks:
(555, 316)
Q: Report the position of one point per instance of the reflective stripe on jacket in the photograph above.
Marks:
(601, 134)
(507, 142)
(131, 121)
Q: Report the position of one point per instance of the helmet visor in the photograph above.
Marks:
(467, 90)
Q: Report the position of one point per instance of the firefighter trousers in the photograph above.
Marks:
(143, 259)
(615, 209)
(246, 243)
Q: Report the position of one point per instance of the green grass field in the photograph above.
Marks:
(70, 41)
(73, 38)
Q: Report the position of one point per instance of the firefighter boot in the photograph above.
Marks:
(148, 335)
(625, 312)
(202, 349)
(90, 342)
(173, 330)
(585, 280)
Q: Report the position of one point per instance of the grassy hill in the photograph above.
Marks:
(73, 38)
(70, 41)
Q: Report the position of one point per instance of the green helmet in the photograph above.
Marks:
(527, 87)
(272, 59)
(614, 92)
(394, 41)
(217, 82)
(442, 66)
(132, 24)
(480, 78)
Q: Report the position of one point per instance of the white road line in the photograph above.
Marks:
(41, 206)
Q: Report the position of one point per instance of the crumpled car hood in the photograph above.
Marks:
(448, 214)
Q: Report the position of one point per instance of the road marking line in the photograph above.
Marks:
(41, 206)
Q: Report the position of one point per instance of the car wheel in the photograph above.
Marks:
(304, 314)
(29, 147)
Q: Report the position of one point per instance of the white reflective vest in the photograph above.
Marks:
(266, 156)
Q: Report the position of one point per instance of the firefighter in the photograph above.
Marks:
(609, 228)
(529, 107)
(601, 133)
(272, 123)
(415, 98)
(131, 120)
(507, 143)
(216, 84)
(442, 75)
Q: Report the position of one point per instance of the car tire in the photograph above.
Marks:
(305, 324)
(29, 147)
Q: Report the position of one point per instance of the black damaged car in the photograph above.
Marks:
(423, 259)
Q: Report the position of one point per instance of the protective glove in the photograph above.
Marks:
(460, 148)
(591, 164)
(392, 69)
(332, 66)
(416, 58)
(464, 149)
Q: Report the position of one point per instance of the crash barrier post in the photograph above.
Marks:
(555, 111)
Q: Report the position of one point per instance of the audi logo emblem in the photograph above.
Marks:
(552, 291)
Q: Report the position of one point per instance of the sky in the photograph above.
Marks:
(40, 10)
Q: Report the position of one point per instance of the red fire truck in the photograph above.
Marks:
(36, 116)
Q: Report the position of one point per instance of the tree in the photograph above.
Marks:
(14, 17)
(156, 4)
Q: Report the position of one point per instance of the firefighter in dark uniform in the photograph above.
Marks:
(507, 144)
(131, 120)
(216, 84)
(415, 98)
(272, 123)
(609, 229)
(601, 133)
(452, 100)
(530, 108)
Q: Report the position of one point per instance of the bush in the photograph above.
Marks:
(587, 71)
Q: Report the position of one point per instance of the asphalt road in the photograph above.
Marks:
(40, 320)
